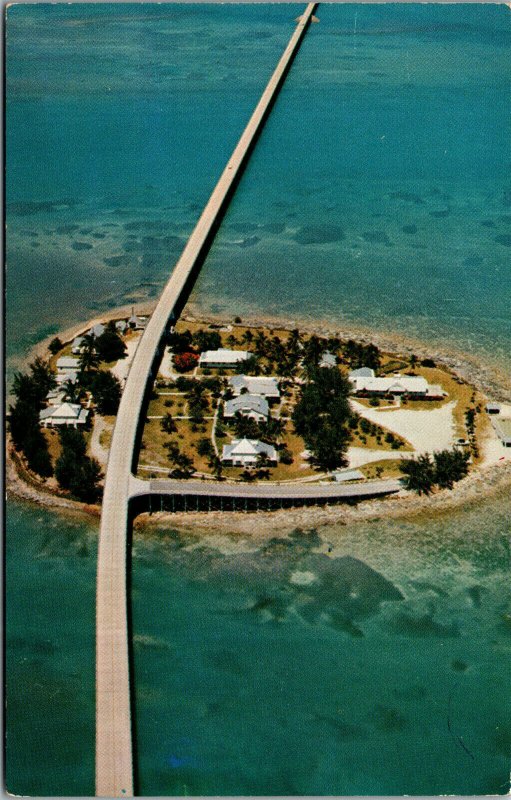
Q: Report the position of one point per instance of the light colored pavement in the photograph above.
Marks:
(114, 765)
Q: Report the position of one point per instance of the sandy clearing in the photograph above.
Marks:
(361, 455)
(426, 431)
(166, 369)
(122, 367)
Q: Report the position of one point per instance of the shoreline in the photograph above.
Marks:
(481, 483)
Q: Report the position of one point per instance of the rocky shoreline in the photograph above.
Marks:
(480, 484)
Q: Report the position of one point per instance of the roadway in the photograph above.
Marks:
(114, 761)
(270, 491)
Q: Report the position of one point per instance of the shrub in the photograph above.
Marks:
(55, 345)
(184, 362)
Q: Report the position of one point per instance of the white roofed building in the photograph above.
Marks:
(412, 385)
(223, 358)
(248, 405)
(362, 372)
(67, 370)
(97, 330)
(77, 345)
(245, 452)
(255, 384)
(65, 414)
(68, 364)
(328, 360)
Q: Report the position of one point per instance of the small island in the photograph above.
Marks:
(247, 404)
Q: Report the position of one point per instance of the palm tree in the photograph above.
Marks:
(73, 392)
(88, 357)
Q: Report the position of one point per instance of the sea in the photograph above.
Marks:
(360, 659)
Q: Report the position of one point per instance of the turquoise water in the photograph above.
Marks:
(387, 674)
(377, 194)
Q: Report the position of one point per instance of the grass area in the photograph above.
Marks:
(373, 441)
(386, 468)
(53, 440)
(153, 451)
(105, 437)
(390, 363)
(157, 406)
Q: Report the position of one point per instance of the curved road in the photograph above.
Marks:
(114, 766)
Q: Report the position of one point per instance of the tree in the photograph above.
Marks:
(42, 376)
(30, 392)
(74, 470)
(72, 391)
(185, 362)
(88, 359)
(205, 447)
(216, 466)
(249, 367)
(179, 342)
(55, 345)
(168, 424)
(322, 417)
(419, 473)
(206, 340)
(110, 346)
(106, 391)
(450, 466)
(183, 464)
(285, 456)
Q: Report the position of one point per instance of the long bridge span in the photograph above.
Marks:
(209, 495)
(114, 759)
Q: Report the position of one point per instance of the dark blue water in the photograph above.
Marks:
(378, 195)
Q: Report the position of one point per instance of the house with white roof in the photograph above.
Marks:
(136, 323)
(245, 452)
(67, 369)
(328, 360)
(77, 344)
(248, 405)
(97, 330)
(68, 364)
(223, 358)
(396, 385)
(362, 372)
(65, 414)
(55, 397)
(255, 384)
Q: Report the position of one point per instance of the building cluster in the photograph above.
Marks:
(60, 411)
(122, 326)
(252, 397)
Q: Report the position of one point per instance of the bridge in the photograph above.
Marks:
(209, 495)
(114, 760)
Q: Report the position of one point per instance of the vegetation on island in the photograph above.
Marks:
(322, 417)
(75, 470)
(444, 469)
(311, 426)
(30, 391)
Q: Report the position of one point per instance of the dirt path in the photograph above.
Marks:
(96, 448)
